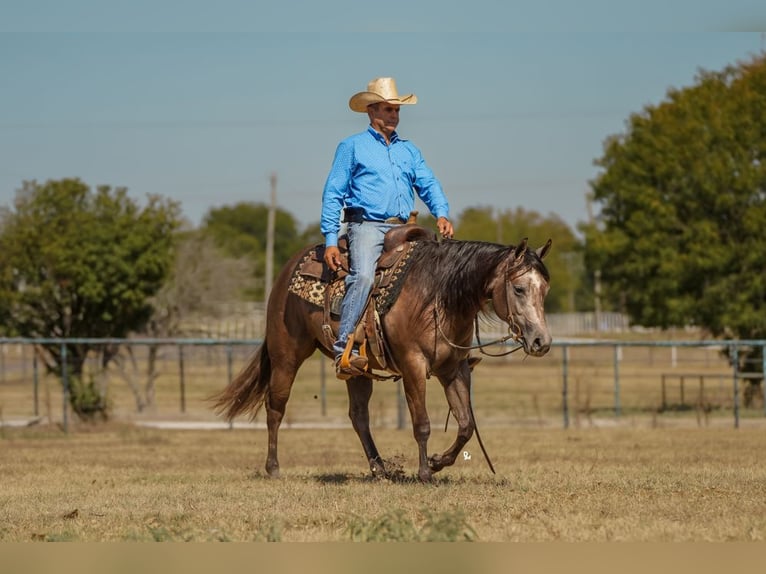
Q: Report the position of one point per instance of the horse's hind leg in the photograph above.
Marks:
(359, 393)
(458, 392)
(276, 401)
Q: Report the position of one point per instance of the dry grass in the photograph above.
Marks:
(681, 475)
(122, 483)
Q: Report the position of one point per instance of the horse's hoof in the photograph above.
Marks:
(435, 463)
(377, 469)
(272, 471)
(425, 475)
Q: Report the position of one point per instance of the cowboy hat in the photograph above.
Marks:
(380, 90)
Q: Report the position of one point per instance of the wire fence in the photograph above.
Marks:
(579, 383)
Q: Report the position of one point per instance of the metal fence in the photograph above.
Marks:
(580, 382)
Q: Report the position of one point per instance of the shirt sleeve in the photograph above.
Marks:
(428, 188)
(335, 191)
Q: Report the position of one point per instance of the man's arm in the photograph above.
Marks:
(334, 193)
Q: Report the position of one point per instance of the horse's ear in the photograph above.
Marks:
(521, 248)
(543, 251)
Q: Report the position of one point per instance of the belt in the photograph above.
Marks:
(356, 215)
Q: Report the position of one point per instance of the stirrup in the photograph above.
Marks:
(349, 365)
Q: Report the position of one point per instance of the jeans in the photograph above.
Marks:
(365, 243)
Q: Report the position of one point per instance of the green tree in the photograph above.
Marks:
(682, 194)
(201, 279)
(510, 226)
(81, 263)
(241, 230)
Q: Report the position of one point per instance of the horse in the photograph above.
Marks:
(428, 331)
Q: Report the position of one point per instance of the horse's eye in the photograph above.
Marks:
(518, 290)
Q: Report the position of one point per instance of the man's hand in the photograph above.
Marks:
(445, 227)
(332, 257)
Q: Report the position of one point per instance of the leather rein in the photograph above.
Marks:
(514, 331)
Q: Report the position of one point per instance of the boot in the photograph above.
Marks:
(357, 365)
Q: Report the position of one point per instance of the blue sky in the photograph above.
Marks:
(202, 101)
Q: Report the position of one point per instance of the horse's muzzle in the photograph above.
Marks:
(537, 346)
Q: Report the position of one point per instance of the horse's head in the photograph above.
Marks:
(518, 291)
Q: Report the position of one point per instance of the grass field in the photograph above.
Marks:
(640, 474)
(118, 482)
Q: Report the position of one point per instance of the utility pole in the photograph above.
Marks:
(597, 272)
(597, 298)
(270, 238)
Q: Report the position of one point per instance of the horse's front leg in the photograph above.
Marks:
(359, 393)
(415, 392)
(458, 393)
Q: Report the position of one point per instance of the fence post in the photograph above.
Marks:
(681, 390)
(323, 384)
(65, 385)
(617, 404)
(36, 384)
(735, 361)
(229, 374)
(182, 377)
(565, 386)
(763, 377)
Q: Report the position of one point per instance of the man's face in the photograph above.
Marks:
(384, 117)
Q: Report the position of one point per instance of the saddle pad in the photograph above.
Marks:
(312, 289)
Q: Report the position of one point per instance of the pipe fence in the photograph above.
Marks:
(579, 382)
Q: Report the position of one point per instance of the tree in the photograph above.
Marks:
(81, 263)
(240, 230)
(680, 235)
(510, 226)
(201, 279)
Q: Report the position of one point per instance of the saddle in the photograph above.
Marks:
(397, 246)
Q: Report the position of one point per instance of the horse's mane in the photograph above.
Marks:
(456, 273)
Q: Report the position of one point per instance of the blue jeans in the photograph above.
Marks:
(365, 243)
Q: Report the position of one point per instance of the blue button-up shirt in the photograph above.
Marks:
(380, 179)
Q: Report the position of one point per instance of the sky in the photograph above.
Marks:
(202, 101)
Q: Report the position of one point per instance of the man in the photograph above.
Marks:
(374, 174)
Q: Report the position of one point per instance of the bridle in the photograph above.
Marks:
(514, 331)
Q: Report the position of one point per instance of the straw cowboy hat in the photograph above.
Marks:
(380, 90)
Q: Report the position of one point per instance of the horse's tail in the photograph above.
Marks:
(247, 391)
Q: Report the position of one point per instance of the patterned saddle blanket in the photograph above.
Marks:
(313, 282)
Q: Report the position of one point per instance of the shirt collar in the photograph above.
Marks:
(380, 138)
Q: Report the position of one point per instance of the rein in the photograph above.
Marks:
(514, 332)
(511, 335)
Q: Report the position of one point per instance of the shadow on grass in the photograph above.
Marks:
(394, 473)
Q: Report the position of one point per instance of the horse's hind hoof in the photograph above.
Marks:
(377, 469)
